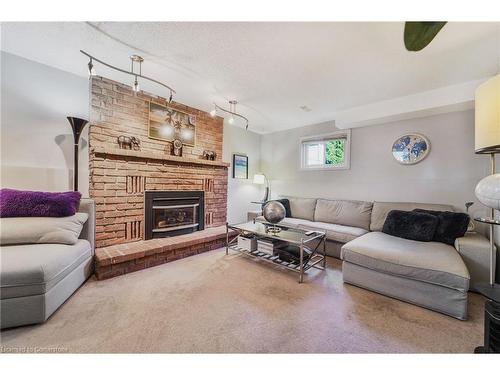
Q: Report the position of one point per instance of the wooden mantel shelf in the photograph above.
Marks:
(156, 156)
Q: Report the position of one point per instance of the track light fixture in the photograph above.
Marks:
(231, 111)
(136, 71)
(136, 61)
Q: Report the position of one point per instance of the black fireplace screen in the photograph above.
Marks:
(170, 213)
(166, 218)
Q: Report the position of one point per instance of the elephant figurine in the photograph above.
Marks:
(209, 155)
(129, 143)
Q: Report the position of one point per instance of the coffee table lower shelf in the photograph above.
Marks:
(313, 261)
(274, 259)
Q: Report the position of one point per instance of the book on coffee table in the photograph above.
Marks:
(269, 246)
(291, 254)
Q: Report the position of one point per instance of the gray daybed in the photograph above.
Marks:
(35, 279)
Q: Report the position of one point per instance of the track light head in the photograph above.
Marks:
(231, 120)
(171, 97)
(136, 87)
(90, 66)
(213, 112)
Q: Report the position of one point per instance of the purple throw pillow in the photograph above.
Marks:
(19, 203)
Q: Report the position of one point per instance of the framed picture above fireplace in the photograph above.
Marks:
(168, 124)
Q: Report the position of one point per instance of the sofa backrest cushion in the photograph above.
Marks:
(350, 213)
(87, 206)
(381, 209)
(302, 208)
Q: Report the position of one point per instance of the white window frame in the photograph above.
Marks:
(323, 138)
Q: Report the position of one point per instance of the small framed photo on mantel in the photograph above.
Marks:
(240, 166)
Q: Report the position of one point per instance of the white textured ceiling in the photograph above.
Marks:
(272, 69)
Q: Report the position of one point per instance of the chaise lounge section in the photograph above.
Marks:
(432, 274)
(38, 278)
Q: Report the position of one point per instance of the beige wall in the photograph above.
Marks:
(36, 138)
(242, 192)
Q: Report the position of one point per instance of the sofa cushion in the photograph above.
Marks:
(287, 221)
(381, 209)
(27, 270)
(38, 230)
(302, 208)
(334, 232)
(411, 225)
(432, 262)
(344, 212)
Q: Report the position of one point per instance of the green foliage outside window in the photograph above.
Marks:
(335, 152)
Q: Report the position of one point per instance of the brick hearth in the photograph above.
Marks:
(119, 178)
(120, 259)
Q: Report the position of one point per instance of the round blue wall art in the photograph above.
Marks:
(410, 148)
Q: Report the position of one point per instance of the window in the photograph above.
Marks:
(327, 151)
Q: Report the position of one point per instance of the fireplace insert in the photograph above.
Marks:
(170, 213)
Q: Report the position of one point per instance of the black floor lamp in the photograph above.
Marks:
(77, 124)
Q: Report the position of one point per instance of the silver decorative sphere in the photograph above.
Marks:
(274, 212)
(488, 191)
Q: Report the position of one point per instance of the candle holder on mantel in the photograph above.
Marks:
(77, 124)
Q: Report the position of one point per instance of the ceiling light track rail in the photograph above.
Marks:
(136, 61)
(231, 111)
(132, 73)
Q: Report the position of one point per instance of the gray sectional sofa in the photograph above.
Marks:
(429, 274)
(37, 278)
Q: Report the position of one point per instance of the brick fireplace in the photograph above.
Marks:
(120, 178)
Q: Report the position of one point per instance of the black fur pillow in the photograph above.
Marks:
(411, 225)
(451, 225)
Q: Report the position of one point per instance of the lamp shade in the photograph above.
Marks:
(77, 124)
(487, 118)
(259, 179)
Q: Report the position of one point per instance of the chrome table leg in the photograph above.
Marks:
(324, 251)
(301, 274)
(227, 239)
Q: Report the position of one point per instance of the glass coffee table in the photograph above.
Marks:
(305, 240)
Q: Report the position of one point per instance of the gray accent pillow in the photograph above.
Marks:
(37, 230)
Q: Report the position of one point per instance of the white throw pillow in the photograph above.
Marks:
(36, 230)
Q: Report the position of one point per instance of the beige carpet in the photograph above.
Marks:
(217, 303)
